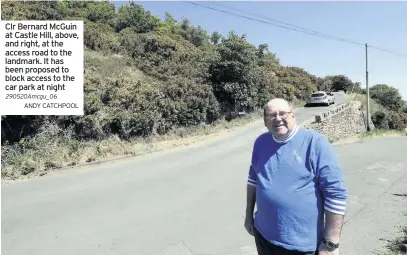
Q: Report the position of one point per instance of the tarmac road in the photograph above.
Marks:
(376, 176)
(185, 201)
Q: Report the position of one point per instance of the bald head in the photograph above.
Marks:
(279, 104)
(279, 117)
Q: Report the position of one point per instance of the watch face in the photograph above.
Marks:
(330, 245)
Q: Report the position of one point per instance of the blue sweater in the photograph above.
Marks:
(296, 180)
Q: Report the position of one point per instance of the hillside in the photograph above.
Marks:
(387, 108)
(147, 79)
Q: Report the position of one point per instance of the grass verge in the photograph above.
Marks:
(46, 152)
(374, 106)
(53, 148)
(382, 133)
(398, 246)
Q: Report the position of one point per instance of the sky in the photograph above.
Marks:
(380, 24)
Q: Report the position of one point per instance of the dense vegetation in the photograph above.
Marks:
(393, 114)
(145, 76)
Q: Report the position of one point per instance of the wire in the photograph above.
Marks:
(262, 21)
(278, 21)
(296, 28)
(388, 51)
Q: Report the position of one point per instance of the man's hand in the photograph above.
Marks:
(322, 250)
(248, 224)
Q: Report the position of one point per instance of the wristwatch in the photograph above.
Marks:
(331, 246)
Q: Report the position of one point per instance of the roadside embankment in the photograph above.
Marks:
(344, 121)
(48, 152)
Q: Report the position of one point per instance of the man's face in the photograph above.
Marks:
(279, 120)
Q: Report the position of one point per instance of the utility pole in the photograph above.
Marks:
(367, 96)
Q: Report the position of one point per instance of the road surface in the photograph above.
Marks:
(376, 176)
(184, 201)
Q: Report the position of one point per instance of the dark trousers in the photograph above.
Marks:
(264, 247)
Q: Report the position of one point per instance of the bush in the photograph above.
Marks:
(145, 76)
(387, 96)
(380, 120)
(398, 121)
(391, 120)
(101, 37)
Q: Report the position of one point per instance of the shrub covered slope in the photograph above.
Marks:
(147, 77)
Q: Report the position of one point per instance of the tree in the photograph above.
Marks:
(232, 75)
(196, 35)
(216, 37)
(387, 96)
(135, 17)
(103, 12)
(170, 25)
(267, 58)
(340, 82)
(357, 88)
(398, 121)
(325, 85)
(380, 120)
(298, 82)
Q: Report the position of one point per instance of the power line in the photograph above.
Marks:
(262, 21)
(295, 28)
(285, 23)
(388, 51)
(312, 31)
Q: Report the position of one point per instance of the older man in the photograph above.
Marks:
(294, 180)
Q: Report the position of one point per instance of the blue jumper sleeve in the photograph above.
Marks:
(330, 176)
(252, 179)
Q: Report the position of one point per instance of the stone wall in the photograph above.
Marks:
(343, 122)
